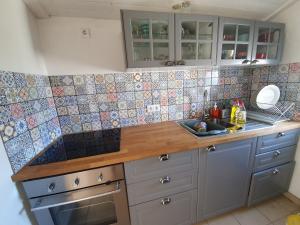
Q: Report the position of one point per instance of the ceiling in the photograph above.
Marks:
(110, 9)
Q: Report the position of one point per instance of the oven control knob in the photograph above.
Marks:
(76, 182)
(51, 187)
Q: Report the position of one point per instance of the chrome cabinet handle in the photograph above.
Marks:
(245, 61)
(51, 187)
(211, 148)
(163, 157)
(281, 134)
(76, 182)
(165, 201)
(165, 180)
(275, 171)
(254, 61)
(276, 154)
(100, 177)
(169, 63)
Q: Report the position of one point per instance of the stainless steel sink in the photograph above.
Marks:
(213, 128)
(221, 127)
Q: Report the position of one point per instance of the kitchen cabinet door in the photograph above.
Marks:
(178, 209)
(224, 177)
(268, 43)
(149, 38)
(196, 39)
(235, 41)
(271, 182)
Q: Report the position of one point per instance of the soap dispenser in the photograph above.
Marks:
(215, 112)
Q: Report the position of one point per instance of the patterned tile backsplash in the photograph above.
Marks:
(286, 77)
(102, 101)
(36, 109)
(28, 117)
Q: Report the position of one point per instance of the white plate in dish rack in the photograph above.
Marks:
(268, 97)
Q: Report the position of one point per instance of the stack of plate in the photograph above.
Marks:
(266, 100)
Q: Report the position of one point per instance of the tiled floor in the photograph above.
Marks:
(272, 212)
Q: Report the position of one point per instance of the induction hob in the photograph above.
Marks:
(79, 145)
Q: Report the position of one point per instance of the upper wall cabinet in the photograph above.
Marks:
(149, 38)
(268, 43)
(196, 39)
(235, 41)
(155, 39)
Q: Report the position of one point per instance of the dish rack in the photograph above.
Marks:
(281, 111)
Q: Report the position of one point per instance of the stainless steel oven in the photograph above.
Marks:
(92, 197)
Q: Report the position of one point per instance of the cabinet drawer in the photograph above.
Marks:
(274, 158)
(154, 167)
(179, 209)
(278, 140)
(270, 183)
(161, 186)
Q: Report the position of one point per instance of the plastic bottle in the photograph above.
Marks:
(215, 112)
(242, 114)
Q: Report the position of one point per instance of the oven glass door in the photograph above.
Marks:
(98, 211)
(98, 205)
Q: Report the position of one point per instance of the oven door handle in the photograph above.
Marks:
(47, 202)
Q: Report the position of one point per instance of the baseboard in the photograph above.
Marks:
(292, 197)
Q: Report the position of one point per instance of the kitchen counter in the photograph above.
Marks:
(144, 141)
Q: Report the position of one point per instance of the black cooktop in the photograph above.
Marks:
(74, 146)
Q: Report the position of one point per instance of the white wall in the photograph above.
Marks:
(11, 208)
(19, 52)
(295, 184)
(290, 16)
(67, 52)
(19, 46)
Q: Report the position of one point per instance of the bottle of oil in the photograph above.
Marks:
(235, 108)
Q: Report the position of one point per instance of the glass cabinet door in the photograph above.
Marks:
(235, 41)
(149, 38)
(268, 40)
(196, 38)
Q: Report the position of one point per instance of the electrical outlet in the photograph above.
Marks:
(156, 108)
(153, 108)
(149, 108)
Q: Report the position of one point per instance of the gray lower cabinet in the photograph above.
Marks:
(162, 190)
(163, 165)
(274, 158)
(178, 209)
(162, 186)
(224, 177)
(275, 141)
(269, 183)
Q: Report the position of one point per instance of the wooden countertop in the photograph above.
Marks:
(145, 141)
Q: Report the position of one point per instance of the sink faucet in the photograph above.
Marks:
(204, 115)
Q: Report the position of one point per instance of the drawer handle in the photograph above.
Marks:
(165, 180)
(211, 148)
(163, 157)
(281, 134)
(276, 154)
(275, 172)
(166, 201)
